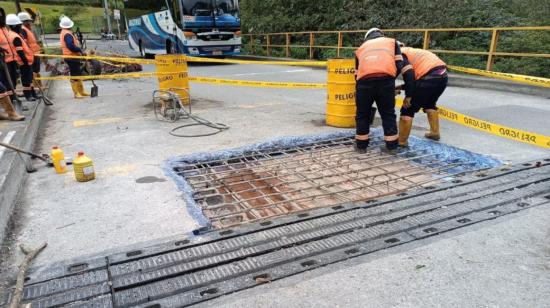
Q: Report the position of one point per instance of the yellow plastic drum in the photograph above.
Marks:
(178, 82)
(341, 93)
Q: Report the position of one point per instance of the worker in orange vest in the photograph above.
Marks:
(378, 62)
(9, 70)
(28, 35)
(71, 47)
(23, 55)
(430, 74)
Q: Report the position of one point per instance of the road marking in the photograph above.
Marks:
(269, 73)
(7, 139)
(82, 123)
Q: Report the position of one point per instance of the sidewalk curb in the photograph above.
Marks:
(455, 80)
(12, 185)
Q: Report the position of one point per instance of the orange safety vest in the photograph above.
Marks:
(12, 35)
(377, 57)
(5, 44)
(422, 61)
(66, 50)
(31, 40)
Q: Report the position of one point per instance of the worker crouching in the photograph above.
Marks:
(430, 74)
(71, 47)
(378, 63)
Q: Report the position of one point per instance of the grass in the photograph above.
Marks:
(83, 16)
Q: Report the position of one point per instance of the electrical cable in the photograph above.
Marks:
(178, 111)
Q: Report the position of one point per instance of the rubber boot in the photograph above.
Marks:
(81, 89)
(76, 91)
(5, 102)
(35, 95)
(405, 126)
(433, 119)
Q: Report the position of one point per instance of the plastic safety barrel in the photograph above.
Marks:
(341, 93)
(173, 75)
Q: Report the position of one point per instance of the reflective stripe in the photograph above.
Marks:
(12, 36)
(398, 58)
(406, 69)
(27, 88)
(362, 137)
(391, 138)
(31, 40)
(10, 92)
(2, 95)
(406, 118)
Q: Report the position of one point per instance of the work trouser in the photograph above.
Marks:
(36, 65)
(426, 93)
(12, 69)
(74, 67)
(26, 80)
(381, 91)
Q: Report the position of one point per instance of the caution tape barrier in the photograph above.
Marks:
(288, 63)
(113, 76)
(532, 80)
(101, 58)
(260, 84)
(491, 128)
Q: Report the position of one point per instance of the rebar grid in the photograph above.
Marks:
(262, 184)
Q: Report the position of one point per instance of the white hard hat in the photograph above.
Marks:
(66, 23)
(371, 30)
(13, 20)
(24, 16)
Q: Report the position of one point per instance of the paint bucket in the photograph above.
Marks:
(341, 93)
(83, 168)
(174, 75)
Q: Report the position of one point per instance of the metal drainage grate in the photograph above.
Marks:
(272, 183)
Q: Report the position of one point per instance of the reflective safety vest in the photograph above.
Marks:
(422, 61)
(5, 45)
(31, 40)
(12, 36)
(377, 57)
(66, 50)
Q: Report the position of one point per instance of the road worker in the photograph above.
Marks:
(9, 112)
(23, 55)
(29, 37)
(9, 66)
(71, 47)
(430, 74)
(378, 62)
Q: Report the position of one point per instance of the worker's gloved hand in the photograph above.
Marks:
(407, 102)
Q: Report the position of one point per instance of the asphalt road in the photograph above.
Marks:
(118, 130)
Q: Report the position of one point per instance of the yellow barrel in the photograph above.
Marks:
(341, 93)
(179, 80)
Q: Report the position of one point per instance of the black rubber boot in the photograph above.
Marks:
(361, 146)
(28, 96)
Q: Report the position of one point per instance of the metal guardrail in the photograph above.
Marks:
(491, 53)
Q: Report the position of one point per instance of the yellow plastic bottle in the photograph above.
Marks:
(83, 168)
(58, 159)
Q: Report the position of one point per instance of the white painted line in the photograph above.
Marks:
(7, 139)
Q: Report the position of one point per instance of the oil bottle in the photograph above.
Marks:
(83, 168)
(58, 159)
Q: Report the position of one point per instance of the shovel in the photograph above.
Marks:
(43, 157)
(95, 90)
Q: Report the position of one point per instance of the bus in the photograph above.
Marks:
(205, 28)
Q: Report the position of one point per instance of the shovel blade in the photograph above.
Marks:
(94, 91)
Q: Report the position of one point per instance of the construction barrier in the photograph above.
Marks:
(340, 110)
(531, 80)
(173, 75)
(172, 72)
(491, 128)
(259, 84)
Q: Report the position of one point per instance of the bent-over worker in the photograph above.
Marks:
(430, 74)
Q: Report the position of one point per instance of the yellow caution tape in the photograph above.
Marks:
(115, 76)
(289, 63)
(491, 128)
(101, 58)
(260, 84)
(532, 80)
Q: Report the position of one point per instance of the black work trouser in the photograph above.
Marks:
(5, 81)
(36, 65)
(381, 91)
(26, 76)
(12, 69)
(75, 67)
(425, 96)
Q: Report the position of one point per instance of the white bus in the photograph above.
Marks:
(191, 27)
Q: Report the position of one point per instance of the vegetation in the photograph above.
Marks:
(269, 16)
